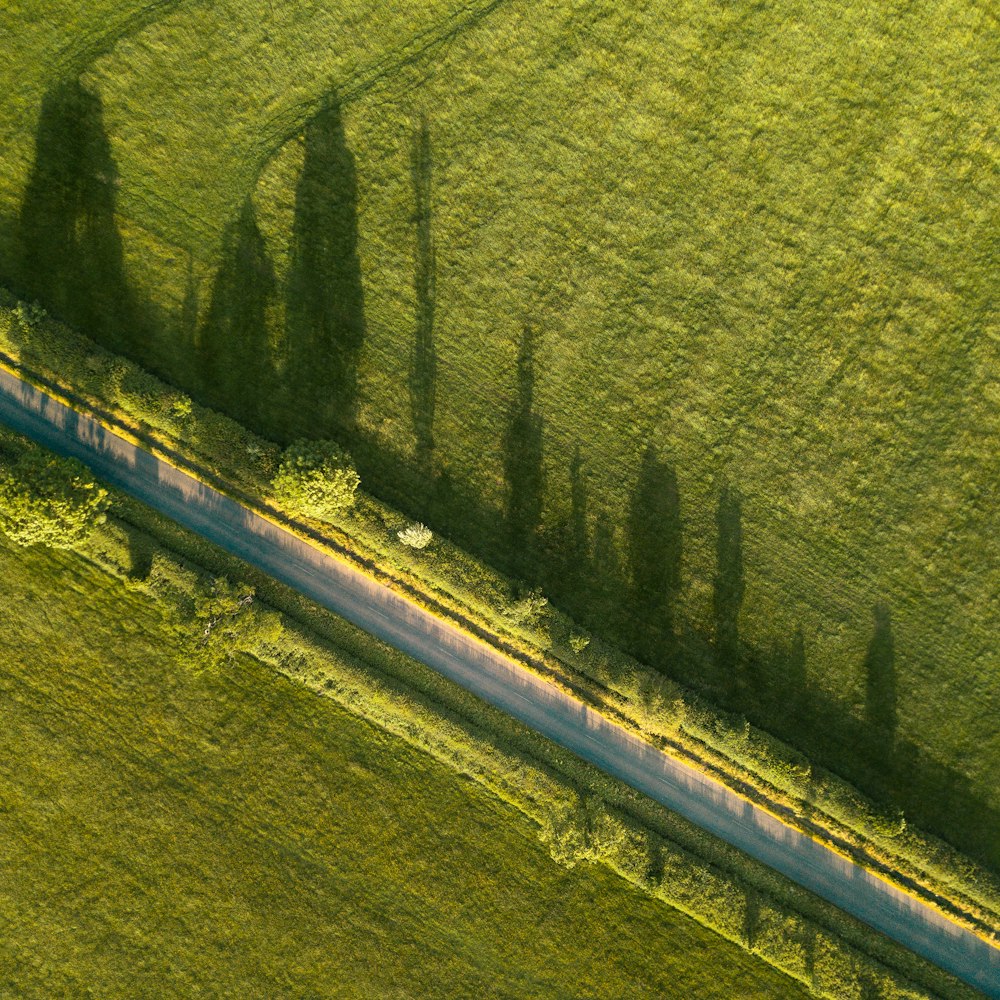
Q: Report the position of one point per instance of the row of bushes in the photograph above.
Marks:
(446, 576)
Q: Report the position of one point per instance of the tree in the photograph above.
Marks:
(316, 478)
(48, 500)
(416, 536)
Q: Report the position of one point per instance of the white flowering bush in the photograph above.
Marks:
(416, 536)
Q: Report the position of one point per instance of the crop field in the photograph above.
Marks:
(681, 311)
(251, 839)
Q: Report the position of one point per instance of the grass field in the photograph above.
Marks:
(682, 311)
(170, 832)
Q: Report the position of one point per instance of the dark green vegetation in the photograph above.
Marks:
(166, 832)
(681, 312)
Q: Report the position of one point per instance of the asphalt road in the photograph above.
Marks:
(500, 681)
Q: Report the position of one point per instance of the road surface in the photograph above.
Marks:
(486, 672)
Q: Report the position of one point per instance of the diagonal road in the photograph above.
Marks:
(499, 680)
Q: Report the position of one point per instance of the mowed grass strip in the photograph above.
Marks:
(170, 832)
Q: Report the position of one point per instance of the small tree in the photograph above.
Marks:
(48, 500)
(416, 536)
(316, 478)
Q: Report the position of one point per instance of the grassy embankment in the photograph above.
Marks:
(109, 688)
(749, 246)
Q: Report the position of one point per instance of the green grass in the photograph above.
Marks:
(754, 242)
(167, 832)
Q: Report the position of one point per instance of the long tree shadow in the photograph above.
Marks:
(880, 679)
(235, 354)
(728, 589)
(423, 361)
(523, 464)
(654, 560)
(69, 248)
(880, 700)
(324, 307)
(187, 325)
(579, 532)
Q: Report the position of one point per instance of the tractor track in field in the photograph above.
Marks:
(274, 133)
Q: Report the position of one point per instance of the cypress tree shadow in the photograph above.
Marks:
(565, 571)
(235, 354)
(579, 535)
(324, 312)
(728, 589)
(69, 249)
(782, 688)
(796, 680)
(654, 558)
(604, 611)
(423, 361)
(880, 693)
(523, 464)
(189, 312)
(880, 676)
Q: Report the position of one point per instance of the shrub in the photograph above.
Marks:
(416, 536)
(29, 314)
(528, 610)
(48, 500)
(316, 478)
(231, 620)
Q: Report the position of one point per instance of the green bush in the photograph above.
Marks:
(316, 478)
(528, 610)
(48, 500)
(230, 619)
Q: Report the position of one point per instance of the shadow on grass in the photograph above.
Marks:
(728, 591)
(423, 361)
(235, 357)
(523, 464)
(654, 558)
(187, 326)
(880, 680)
(68, 247)
(324, 304)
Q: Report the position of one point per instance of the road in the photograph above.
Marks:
(500, 681)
